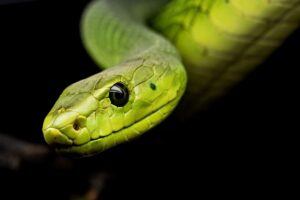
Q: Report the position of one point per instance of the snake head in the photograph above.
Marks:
(112, 107)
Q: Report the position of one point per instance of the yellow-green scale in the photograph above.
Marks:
(221, 41)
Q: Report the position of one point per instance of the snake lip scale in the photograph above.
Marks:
(75, 150)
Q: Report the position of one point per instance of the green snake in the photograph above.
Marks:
(155, 52)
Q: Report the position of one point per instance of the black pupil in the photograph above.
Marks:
(118, 94)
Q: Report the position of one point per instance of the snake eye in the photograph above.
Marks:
(118, 94)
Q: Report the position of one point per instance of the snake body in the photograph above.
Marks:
(212, 43)
(222, 41)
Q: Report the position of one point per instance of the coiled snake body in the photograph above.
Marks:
(197, 49)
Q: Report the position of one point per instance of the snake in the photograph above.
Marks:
(158, 55)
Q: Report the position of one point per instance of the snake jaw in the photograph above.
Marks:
(100, 144)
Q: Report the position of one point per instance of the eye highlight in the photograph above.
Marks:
(118, 94)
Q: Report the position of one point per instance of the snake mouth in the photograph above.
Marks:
(55, 137)
(95, 146)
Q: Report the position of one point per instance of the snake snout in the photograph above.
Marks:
(68, 128)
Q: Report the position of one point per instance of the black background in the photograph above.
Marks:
(245, 144)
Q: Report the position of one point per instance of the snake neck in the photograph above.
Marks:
(114, 32)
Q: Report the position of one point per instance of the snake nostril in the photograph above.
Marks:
(76, 125)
